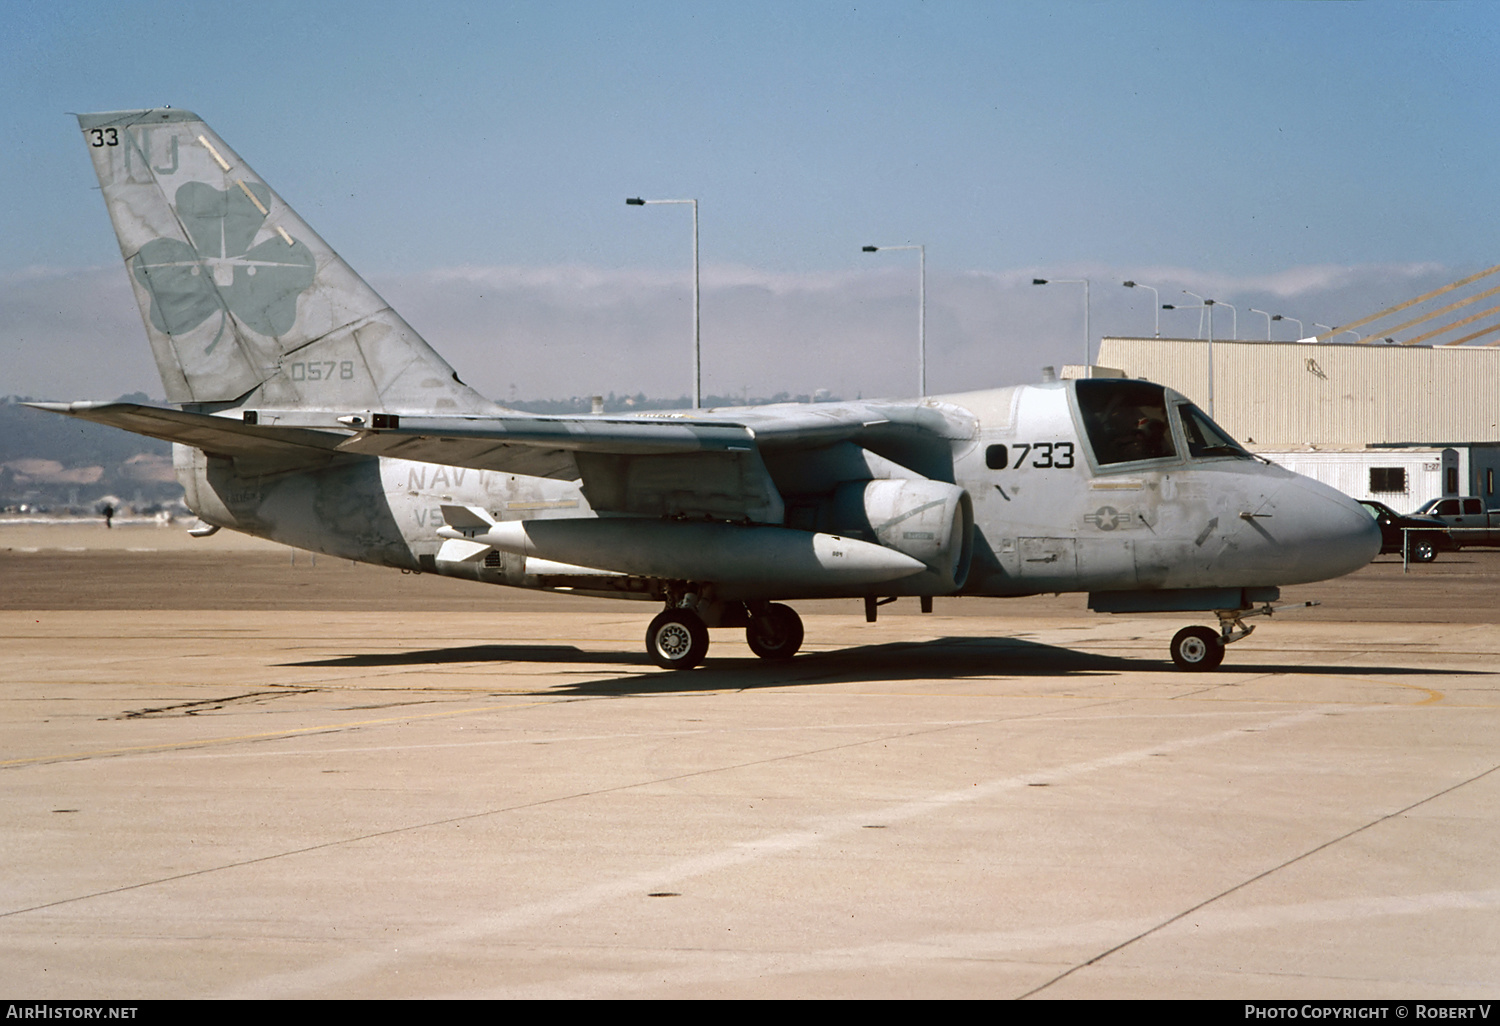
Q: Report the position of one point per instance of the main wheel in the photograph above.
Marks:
(775, 633)
(677, 640)
(1423, 550)
(1197, 648)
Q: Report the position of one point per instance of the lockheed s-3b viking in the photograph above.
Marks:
(308, 412)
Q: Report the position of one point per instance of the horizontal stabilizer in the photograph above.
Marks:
(218, 436)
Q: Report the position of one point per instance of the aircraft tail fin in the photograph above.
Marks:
(243, 303)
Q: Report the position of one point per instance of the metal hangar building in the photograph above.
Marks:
(1395, 423)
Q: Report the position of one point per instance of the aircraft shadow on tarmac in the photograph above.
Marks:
(952, 657)
(478, 654)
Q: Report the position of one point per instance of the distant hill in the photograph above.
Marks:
(62, 463)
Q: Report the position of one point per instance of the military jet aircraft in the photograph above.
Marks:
(308, 412)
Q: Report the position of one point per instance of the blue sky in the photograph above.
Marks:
(1228, 147)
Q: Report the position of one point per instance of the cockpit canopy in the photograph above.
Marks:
(1131, 421)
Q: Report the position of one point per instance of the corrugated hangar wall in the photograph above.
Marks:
(1297, 394)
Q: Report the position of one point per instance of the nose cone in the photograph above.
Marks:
(1322, 532)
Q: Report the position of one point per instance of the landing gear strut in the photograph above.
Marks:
(1202, 648)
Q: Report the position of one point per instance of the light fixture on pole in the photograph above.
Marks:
(636, 201)
(922, 309)
(1269, 318)
(1208, 305)
(1074, 281)
(1155, 301)
(1329, 327)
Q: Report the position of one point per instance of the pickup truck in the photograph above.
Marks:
(1422, 538)
(1468, 521)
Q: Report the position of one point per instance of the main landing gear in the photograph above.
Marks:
(1202, 648)
(678, 637)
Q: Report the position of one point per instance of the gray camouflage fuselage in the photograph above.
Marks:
(308, 412)
(1039, 527)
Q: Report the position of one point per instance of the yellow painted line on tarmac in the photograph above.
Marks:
(291, 732)
(1432, 696)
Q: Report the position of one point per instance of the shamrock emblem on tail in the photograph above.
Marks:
(219, 269)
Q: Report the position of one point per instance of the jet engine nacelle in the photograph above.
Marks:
(932, 521)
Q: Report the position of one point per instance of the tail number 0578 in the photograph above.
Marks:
(323, 370)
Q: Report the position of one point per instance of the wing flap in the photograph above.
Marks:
(673, 467)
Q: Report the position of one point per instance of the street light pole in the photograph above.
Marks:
(1155, 301)
(921, 313)
(1208, 304)
(697, 328)
(1074, 281)
(1234, 319)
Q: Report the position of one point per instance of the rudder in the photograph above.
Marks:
(244, 304)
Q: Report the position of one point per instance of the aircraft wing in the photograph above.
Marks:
(504, 442)
(703, 463)
(538, 446)
(641, 466)
(698, 464)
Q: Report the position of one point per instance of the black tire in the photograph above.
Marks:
(776, 633)
(677, 640)
(1423, 550)
(1197, 648)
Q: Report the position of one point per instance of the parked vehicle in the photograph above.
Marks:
(1467, 520)
(1429, 535)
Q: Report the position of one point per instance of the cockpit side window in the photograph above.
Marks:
(1125, 420)
(1205, 439)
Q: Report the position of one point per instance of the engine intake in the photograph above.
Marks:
(932, 521)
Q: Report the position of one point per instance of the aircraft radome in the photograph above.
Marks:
(308, 412)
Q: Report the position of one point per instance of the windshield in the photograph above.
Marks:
(1206, 439)
(1125, 420)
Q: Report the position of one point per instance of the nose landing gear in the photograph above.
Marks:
(1202, 648)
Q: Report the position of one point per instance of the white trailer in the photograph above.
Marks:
(1401, 478)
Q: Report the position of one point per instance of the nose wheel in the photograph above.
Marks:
(1197, 648)
(1202, 648)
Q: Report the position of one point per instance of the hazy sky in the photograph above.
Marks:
(1321, 160)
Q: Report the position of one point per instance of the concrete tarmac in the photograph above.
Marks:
(496, 795)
